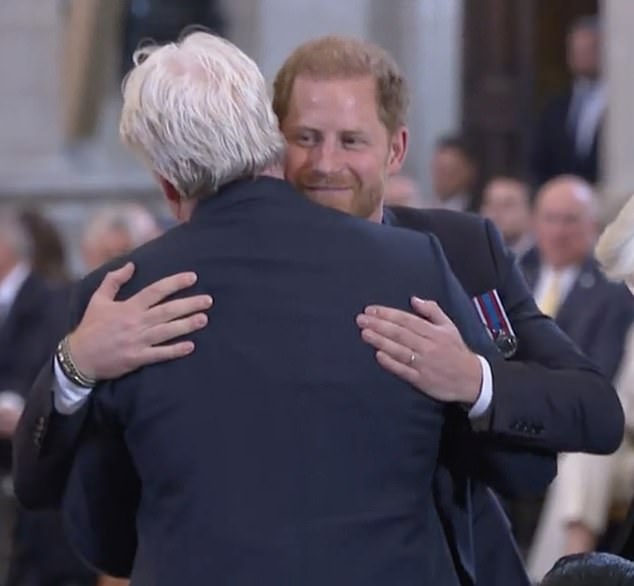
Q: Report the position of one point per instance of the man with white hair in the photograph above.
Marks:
(279, 452)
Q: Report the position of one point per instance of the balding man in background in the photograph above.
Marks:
(566, 280)
(506, 202)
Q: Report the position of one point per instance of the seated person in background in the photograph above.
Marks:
(507, 203)
(114, 230)
(591, 569)
(569, 286)
(453, 173)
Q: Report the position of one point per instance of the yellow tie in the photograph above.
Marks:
(549, 303)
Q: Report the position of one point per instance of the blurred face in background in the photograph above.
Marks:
(8, 258)
(506, 203)
(401, 190)
(584, 52)
(452, 172)
(565, 222)
(104, 247)
(340, 153)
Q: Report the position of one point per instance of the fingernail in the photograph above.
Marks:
(192, 278)
(189, 348)
(209, 301)
(362, 320)
(201, 320)
(417, 300)
(371, 310)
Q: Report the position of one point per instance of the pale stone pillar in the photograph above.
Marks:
(618, 145)
(431, 33)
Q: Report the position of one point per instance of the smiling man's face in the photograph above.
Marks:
(339, 151)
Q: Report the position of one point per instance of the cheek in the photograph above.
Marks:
(296, 159)
(372, 168)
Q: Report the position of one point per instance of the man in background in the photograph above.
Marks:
(453, 174)
(506, 202)
(32, 317)
(568, 134)
(115, 230)
(597, 315)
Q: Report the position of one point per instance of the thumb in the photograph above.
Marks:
(114, 280)
(430, 310)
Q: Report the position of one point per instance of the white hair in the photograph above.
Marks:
(615, 248)
(199, 113)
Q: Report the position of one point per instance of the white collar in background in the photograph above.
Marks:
(10, 286)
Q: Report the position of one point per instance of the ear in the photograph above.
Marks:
(399, 141)
(171, 193)
(174, 200)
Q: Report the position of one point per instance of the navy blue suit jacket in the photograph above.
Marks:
(279, 452)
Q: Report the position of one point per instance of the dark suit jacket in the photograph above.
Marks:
(279, 452)
(530, 406)
(529, 391)
(596, 313)
(27, 338)
(554, 149)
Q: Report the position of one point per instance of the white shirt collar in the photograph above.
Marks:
(10, 286)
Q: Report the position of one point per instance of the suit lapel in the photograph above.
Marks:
(580, 295)
(530, 268)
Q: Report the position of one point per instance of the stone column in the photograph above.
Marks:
(618, 146)
(431, 56)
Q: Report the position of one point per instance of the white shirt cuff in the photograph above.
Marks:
(67, 396)
(483, 403)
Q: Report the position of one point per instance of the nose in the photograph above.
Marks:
(326, 157)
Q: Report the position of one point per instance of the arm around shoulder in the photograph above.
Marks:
(549, 395)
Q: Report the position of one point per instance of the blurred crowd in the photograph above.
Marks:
(550, 220)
